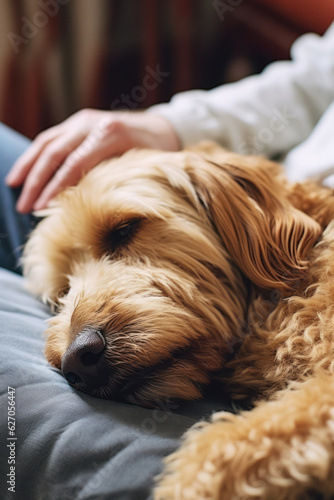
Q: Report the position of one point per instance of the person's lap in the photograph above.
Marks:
(14, 227)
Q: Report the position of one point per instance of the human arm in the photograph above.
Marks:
(269, 113)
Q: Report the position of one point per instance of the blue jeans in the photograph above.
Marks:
(14, 227)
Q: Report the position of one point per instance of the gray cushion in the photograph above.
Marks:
(70, 445)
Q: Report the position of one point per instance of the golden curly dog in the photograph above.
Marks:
(168, 270)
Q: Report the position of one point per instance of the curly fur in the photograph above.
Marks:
(227, 274)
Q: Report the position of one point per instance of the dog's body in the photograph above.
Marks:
(171, 269)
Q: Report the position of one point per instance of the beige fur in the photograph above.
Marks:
(227, 274)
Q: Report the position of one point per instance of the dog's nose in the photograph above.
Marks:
(83, 362)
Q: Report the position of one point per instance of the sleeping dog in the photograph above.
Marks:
(169, 270)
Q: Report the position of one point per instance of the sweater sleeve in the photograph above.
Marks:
(268, 113)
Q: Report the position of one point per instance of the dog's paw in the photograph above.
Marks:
(214, 462)
(252, 456)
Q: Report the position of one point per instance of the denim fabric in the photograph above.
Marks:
(14, 227)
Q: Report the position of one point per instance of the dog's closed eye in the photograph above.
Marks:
(121, 234)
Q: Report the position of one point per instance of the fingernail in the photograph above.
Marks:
(21, 208)
(22, 205)
(38, 205)
(9, 179)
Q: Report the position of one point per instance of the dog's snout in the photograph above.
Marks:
(82, 363)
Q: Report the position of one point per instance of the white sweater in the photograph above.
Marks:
(286, 112)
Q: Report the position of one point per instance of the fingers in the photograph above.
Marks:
(23, 165)
(68, 175)
(50, 158)
(60, 156)
(54, 160)
(99, 145)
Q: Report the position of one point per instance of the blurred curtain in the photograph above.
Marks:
(57, 56)
(47, 47)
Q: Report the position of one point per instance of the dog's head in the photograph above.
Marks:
(148, 262)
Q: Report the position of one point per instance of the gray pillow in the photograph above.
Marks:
(70, 445)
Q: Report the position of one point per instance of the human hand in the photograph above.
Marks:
(61, 155)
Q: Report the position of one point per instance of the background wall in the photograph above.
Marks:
(57, 56)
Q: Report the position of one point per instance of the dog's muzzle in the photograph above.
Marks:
(83, 364)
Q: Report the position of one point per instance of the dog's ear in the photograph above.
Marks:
(246, 200)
